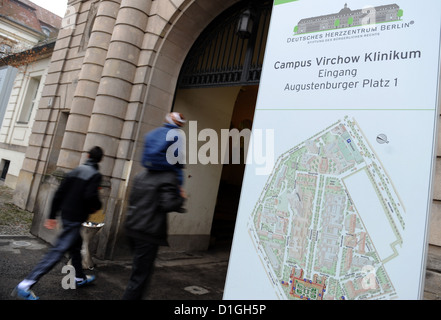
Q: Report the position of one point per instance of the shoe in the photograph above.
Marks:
(24, 294)
(85, 281)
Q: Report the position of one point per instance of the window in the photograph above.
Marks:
(30, 100)
(4, 170)
(46, 31)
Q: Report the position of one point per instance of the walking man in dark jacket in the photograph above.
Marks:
(76, 197)
(155, 192)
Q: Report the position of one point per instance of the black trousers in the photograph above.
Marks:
(68, 241)
(144, 255)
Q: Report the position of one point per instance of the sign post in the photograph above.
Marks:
(352, 95)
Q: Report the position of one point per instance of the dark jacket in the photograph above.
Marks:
(153, 195)
(77, 196)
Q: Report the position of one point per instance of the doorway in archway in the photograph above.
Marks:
(217, 89)
(213, 188)
(230, 185)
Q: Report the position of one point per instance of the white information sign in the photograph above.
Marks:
(351, 92)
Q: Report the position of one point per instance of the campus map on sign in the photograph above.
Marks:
(351, 92)
(309, 228)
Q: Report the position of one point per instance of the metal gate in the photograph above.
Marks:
(224, 54)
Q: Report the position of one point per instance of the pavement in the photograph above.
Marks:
(177, 275)
(184, 285)
(197, 277)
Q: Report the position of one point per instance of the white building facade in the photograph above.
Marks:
(27, 36)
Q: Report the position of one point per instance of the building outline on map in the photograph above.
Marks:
(309, 233)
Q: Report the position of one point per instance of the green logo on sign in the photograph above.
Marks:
(347, 18)
(276, 2)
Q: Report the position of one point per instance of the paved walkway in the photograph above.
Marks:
(178, 275)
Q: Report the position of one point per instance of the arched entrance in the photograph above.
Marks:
(230, 184)
(217, 89)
